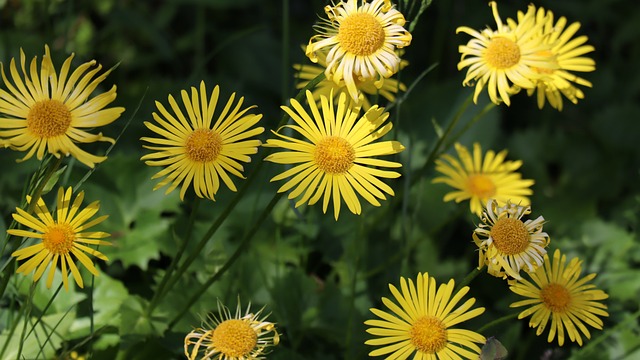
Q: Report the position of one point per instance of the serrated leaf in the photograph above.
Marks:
(135, 322)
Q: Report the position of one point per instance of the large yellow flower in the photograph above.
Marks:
(503, 59)
(387, 89)
(422, 322)
(479, 179)
(566, 55)
(560, 294)
(61, 237)
(506, 243)
(46, 113)
(337, 157)
(227, 337)
(192, 150)
(360, 42)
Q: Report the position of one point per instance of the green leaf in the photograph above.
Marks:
(135, 322)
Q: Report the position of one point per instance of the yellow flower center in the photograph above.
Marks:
(502, 53)
(334, 155)
(482, 186)
(58, 239)
(555, 297)
(361, 34)
(510, 236)
(203, 145)
(234, 338)
(428, 334)
(48, 118)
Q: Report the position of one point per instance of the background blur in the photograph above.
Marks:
(318, 278)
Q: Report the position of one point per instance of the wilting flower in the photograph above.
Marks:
(479, 179)
(46, 113)
(227, 337)
(506, 243)
(61, 237)
(360, 42)
(336, 160)
(560, 294)
(192, 150)
(422, 322)
(566, 56)
(503, 59)
(387, 88)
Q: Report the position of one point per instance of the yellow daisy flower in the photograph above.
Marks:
(479, 179)
(386, 88)
(337, 158)
(60, 237)
(360, 42)
(566, 54)
(46, 113)
(192, 150)
(422, 322)
(560, 294)
(503, 59)
(239, 337)
(506, 243)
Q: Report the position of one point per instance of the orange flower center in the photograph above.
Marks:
(48, 118)
(510, 236)
(482, 186)
(234, 338)
(502, 53)
(556, 297)
(58, 239)
(361, 34)
(428, 334)
(334, 155)
(203, 145)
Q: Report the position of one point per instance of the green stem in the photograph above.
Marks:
(162, 288)
(473, 120)
(245, 242)
(467, 279)
(497, 322)
(32, 290)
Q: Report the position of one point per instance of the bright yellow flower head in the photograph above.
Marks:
(47, 111)
(194, 149)
(61, 237)
(503, 59)
(506, 243)
(479, 178)
(423, 321)
(238, 337)
(558, 293)
(337, 158)
(360, 42)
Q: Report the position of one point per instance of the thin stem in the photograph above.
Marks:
(467, 279)
(28, 306)
(490, 106)
(497, 322)
(245, 242)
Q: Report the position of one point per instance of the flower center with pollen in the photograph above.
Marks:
(510, 236)
(334, 155)
(203, 145)
(361, 34)
(428, 334)
(48, 118)
(58, 239)
(482, 186)
(502, 53)
(234, 338)
(555, 297)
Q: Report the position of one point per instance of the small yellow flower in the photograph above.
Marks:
(193, 150)
(60, 237)
(239, 337)
(506, 243)
(336, 161)
(360, 42)
(503, 59)
(47, 113)
(560, 294)
(479, 178)
(422, 322)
